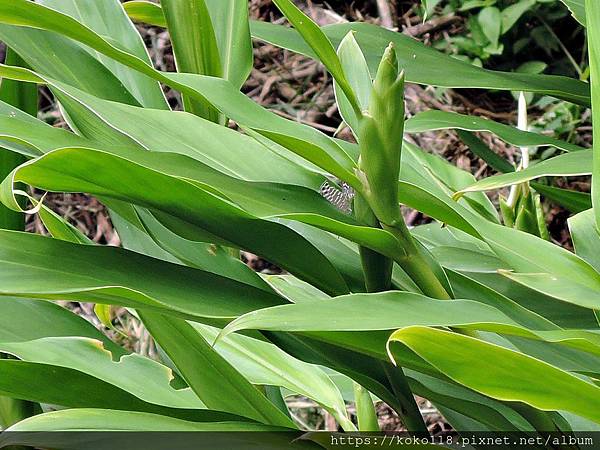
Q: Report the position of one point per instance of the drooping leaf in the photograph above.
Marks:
(46, 384)
(440, 120)
(569, 164)
(511, 377)
(111, 420)
(479, 148)
(320, 44)
(89, 273)
(229, 224)
(422, 64)
(107, 18)
(574, 201)
(265, 364)
(216, 382)
(90, 357)
(410, 309)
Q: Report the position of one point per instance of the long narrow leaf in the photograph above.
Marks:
(216, 382)
(593, 39)
(511, 377)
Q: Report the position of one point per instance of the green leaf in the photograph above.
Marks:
(512, 376)
(60, 228)
(490, 20)
(574, 201)
(484, 152)
(357, 72)
(73, 422)
(46, 383)
(88, 419)
(368, 338)
(51, 319)
(454, 401)
(200, 255)
(441, 179)
(219, 147)
(511, 14)
(569, 164)
(397, 309)
(300, 139)
(320, 44)
(89, 273)
(194, 46)
(365, 410)
(568, 291)
(232, 30)
(146, 12)
(466, 287)
(216, 382)
(421, 64)
(23, 96)
(528, 254)
(586, 238)
(443, 120)
(194, 216)
(577, 8)
(193, 36)
(263, 363)
(593, 39)
(107, 18)
(123, 371)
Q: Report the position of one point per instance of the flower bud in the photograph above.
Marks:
(380, 139)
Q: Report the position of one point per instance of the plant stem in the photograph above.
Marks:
(378, 277)
(377, 268)
(410, 414)
(415, 263)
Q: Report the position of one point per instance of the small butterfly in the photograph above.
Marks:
(339, 194)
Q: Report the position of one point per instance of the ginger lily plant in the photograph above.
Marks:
(495, 325)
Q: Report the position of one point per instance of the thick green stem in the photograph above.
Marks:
(378, 277)
(416, 264)
(376, 267)
(377, 270)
